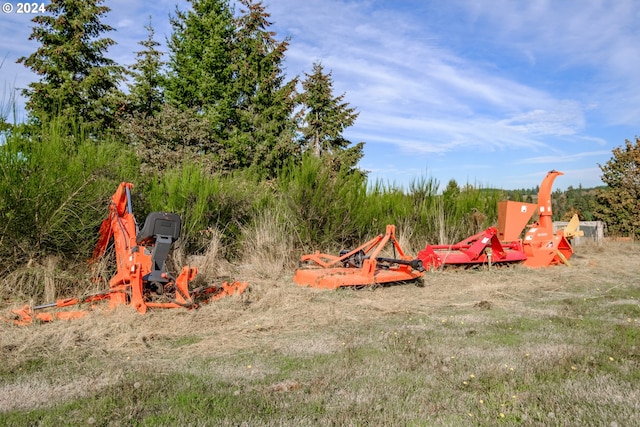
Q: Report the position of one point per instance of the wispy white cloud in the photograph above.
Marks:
(517, 78)
(565, 118)
(564, 158)
(597, 38)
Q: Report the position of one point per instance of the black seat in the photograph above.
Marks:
(160, 229)
(162, 224)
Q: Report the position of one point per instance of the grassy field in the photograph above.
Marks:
(509, 346)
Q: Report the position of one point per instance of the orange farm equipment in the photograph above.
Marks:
(540, 247)
(482, 248)
(141, 278)
(362, 266)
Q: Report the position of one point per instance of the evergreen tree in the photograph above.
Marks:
(229, 72)
(264, 134)
(450, 196)
(76, 79)
(163, 135)
(145, 92)
(198, 86)
(199, 73)
(325, 119)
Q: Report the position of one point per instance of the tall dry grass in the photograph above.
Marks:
(268, 244)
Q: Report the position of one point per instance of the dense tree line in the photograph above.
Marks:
(221, 99)
(219, 134)
(581, 201)
(217, 115)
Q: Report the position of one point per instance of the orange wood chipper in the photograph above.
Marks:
(141, 280)
(540, 246)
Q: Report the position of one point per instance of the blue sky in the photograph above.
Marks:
(494, 93)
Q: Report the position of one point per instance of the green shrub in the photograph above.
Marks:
(55, 190)
(325, 205)
(333, 210)
(205, 201)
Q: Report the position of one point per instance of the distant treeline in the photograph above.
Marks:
(581, 201)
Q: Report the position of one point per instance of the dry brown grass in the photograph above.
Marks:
(438, 331)
(267, 244)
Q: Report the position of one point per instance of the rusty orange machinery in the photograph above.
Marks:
(540, 247)
(141, 280)
(362, 266)
(482, 248)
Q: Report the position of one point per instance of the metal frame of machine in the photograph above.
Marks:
(141, 280)
(362, 266)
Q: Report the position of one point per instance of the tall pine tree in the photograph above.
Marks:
(76, 79)
(325, 119)
(198, 85)
(199, 70)
(145, 91)
(229, 71)
(163, 136)
(264, 134)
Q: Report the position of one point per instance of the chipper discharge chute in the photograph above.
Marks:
(141, 278)
(362, 266)
(541, 245)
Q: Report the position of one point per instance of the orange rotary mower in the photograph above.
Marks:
(141, 278)
(362, 266)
